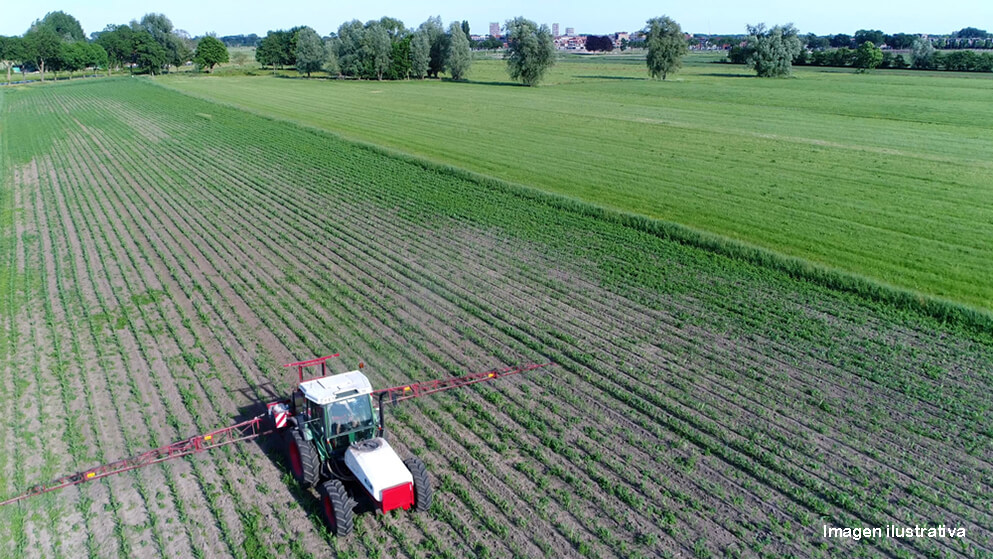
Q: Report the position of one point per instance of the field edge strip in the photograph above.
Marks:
(947, 311)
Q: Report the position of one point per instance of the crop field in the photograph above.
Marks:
(883, 175)
(161, 256)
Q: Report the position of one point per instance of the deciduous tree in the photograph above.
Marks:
(210, 52)
(400, 59)
(666, 46)
(815, 42)
(900, 40)
(310, 53)
(11, 53)
(438, 39)
(874, 36)
(376, 49)
(922, 54)
(148, 53)
(599, 43)
(771, 51)
(867, 57)
(970, 33)
(97, 57)
(118, 42)
(268, 52)
(841, 40)
(531, 50)
(62, 24)
(161, 29)
(459, 58)
(73, 56)
(42, 45)
(420, 55)
(350, 41)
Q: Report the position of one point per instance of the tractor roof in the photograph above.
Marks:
(335, 387)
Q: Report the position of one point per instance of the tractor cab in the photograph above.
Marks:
(336, 411)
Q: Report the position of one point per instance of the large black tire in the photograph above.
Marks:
(337, 507)
(422, 484)
(305, 464)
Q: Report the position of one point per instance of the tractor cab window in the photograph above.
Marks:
(350, 421)
(345, 416)
(299, 402)
(314, 412)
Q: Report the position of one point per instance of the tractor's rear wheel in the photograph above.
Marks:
(337, 507)
(422, 484)
(304, 461)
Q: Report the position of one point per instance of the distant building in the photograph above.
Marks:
(565, 42)
(555, 30)
(570, 31)
(494, 29)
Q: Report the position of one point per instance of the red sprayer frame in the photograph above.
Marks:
(311, 363)
(236, 433)
(408, 391)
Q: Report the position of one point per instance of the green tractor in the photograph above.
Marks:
(335, 442)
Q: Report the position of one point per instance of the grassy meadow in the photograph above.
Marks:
(885, 175)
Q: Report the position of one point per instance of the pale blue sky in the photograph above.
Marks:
(229, 17)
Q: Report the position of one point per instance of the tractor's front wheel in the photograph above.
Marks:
(422, 484)
(337, 507)
(304, 461)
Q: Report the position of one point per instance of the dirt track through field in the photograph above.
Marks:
(691, 399)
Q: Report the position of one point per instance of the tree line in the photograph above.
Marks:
(784, 45)
(253, 40)
(385, 49)
(922, 56)
(57, 43)
(378, 49)
(966, 38)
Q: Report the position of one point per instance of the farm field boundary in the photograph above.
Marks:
(952, 312)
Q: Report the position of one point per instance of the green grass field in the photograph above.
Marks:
(885, 175)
